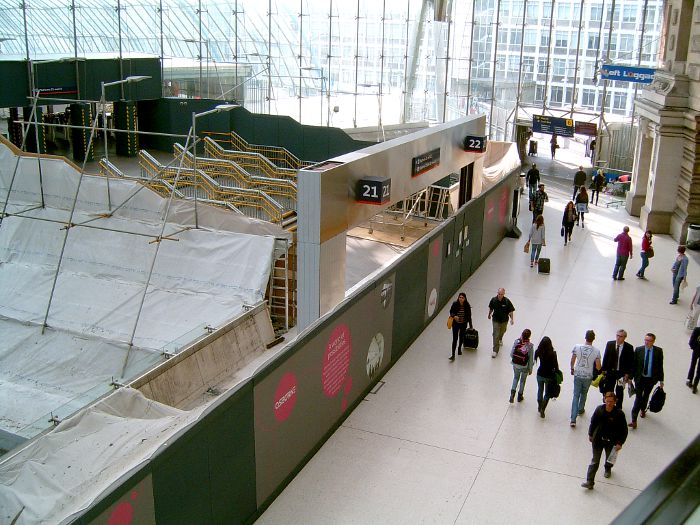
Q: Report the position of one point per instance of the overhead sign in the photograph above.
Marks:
(425, 162)
(586, 128)
(642, 75)
(374, 190)
(474, 143)
(564, 127)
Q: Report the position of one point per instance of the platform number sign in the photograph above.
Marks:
(374, 190)
(474, 143)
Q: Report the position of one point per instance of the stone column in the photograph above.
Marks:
(640, 171)
(664, 174)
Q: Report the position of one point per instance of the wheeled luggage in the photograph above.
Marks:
(471, 339)
(543, 265)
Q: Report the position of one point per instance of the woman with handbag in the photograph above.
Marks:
(646, 253)
(536, 240)
(568, 221)
(460, 316)
(546, 372)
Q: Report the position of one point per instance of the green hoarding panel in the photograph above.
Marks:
(231, 447)
(451, 255)
(410, 292)
(15, 85)
(208, 474)
(291, 136)
(181, 483)
(79, 79)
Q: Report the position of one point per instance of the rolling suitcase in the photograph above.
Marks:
(543, 265)
(471, 339)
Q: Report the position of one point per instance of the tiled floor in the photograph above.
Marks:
(439, 442)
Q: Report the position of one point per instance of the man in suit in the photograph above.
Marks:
(618, 365)
(648, 370)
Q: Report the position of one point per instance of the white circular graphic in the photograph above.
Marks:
(432, 302)
(375, 354)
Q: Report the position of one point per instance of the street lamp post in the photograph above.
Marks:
(103, 103)
(193, 130)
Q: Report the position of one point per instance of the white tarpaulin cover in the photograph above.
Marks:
(501, 159)
(63, 472)
(200, 277)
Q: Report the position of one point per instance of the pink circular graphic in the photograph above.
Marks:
(121, 515)
(285, 396)
(348, 386)
(344, 404)
(336, 361)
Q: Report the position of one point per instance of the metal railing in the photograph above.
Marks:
(250, 161)
(251, 202)
(233, 175)
(278, 155)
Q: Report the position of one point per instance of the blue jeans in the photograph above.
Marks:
(519, 375)
(676, 286)
(535, 250)
(645, 263)
(620, 265)
(581, 386)
(541, 386)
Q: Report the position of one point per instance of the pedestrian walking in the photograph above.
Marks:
(581, 205)
(646, 253)
(618, 366)
(597, 186)
(648, 370)
(522, 358)
(679, 270)
(584, 358)
(694, 371)
(536, 240)
(546, 372)
(538, 201)
(579, 180)
(533, 179)
(607, 431)
(553, 144)
(500, 311)
(624, 252)
(591, 148)
(568, 220)
(461, 314)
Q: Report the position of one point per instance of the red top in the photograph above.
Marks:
(624, 244)
(646, 243)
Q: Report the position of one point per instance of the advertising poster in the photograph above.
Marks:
(299, 401)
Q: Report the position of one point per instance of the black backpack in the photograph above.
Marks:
(658, 398)
(520, 356)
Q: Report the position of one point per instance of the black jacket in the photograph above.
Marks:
(454, 309)
(608, 427)
(548, 364)
(694, 342)
(657, 364)
(626, 361)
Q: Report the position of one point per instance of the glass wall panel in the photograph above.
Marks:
(360, 62)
